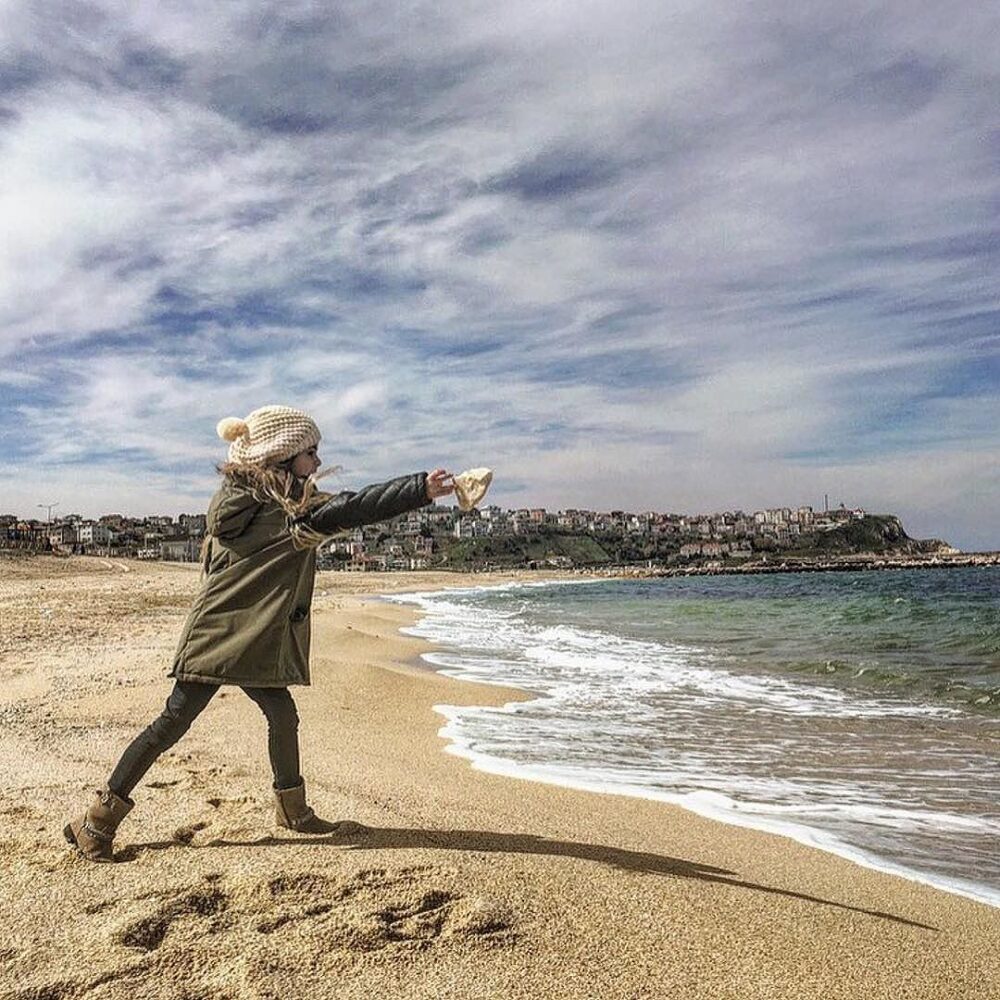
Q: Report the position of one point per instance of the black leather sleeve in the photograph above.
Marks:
(377, 502)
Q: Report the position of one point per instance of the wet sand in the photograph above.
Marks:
(449, 882)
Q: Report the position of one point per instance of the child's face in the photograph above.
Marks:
(305, 463)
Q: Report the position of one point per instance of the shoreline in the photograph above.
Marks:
(799, 833)
(480, 693)
(698, 805)
(445, 881)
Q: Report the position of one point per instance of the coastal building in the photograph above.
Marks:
(423, 545)
(180, 550)
(469, 527)
(94, 533)
(369, 563)
(521, 522)
(61, 535)
(193, 524)
(438, 516)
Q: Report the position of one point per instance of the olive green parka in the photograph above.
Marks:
(250, 623)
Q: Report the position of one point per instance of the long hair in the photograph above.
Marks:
(275, 483)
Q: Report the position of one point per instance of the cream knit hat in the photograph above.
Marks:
(268, 435)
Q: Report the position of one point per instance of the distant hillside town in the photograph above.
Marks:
(442, 537)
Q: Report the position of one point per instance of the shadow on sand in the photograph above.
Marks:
(355, 836)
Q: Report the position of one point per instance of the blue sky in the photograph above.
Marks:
(667, 256)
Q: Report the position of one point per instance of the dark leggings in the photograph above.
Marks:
(186, 702)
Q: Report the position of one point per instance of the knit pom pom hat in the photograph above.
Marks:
(268, 435)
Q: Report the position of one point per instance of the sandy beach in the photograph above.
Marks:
(446, 882)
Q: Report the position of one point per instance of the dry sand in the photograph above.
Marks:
(453, 883)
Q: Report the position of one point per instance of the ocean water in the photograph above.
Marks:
(858, 712)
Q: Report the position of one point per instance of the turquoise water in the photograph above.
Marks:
(856, 711)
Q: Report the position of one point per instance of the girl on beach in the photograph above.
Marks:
(250, 625)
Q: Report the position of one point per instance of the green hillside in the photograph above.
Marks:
(519, 550)
(879, 533)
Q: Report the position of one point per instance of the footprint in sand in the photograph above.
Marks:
(149, 932)
(186, 833)
(377, 909)
(272, 929)
(229, 817)
(18, 811)
(105, 904)
(372, 910)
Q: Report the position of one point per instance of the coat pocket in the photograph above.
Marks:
(299, 638)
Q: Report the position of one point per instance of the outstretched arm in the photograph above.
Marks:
(377, 502)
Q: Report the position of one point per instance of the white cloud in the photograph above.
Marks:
(715, 249)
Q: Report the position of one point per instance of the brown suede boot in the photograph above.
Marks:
(93, 833)
(291, 812)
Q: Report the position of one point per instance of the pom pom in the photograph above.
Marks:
(231, 428)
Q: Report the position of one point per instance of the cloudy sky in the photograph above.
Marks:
(662, 255)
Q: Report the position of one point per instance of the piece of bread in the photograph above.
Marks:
(471, 487)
